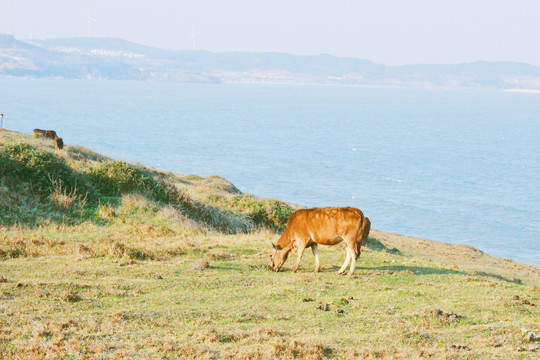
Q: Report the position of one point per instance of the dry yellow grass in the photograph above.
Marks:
(120, 293)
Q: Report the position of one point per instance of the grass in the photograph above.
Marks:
(132, 274)
(40, 185)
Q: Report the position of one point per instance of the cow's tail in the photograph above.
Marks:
(363, 235)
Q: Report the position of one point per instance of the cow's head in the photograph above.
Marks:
(278, 256)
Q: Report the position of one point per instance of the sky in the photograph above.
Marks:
(392, 32)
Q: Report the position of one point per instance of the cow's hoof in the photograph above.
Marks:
(317, 269)
(349, 274)
(341, 272)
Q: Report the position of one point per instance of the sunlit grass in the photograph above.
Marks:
(212, 295)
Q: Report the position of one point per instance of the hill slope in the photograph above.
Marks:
(104, 259)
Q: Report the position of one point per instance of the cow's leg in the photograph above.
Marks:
(301, 247)
(315, 249)
(346, 263)
(353, 262)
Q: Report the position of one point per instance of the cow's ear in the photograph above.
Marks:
(276, 247)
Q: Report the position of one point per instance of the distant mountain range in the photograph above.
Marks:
(110, 58)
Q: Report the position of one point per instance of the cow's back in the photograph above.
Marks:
(326, 226)
(49, 134)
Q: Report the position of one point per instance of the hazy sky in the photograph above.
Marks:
(385, 31)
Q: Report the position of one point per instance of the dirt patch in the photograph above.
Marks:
(438, 313)
(212, 335)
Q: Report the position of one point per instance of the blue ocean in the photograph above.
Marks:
(455, 166)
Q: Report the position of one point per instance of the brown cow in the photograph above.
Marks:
(325, 226)
(58, 143)
(49, 134)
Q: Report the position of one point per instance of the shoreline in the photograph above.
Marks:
(177, 266)
(457, 255)
(463, 257)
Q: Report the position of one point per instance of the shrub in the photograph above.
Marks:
(224, 220)
(53, 189)
(5, 163)
(64, 198)
(41, 169)
(114, 178)
(272, 214)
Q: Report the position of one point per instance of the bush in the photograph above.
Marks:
(41, 169)
(272, 214)
(5, 163)
(40, 185)
(114, 178)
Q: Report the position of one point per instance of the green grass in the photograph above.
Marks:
(120, 270)
(40, 185)
(235, 307)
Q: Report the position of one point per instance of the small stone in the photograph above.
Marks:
(324, 307)
(73, 297)
(530, 336)
(461, 347)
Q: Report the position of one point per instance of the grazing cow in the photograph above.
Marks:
(325, 226)
(58, 143)
(49, 134)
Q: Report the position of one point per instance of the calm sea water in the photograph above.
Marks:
(454, 166)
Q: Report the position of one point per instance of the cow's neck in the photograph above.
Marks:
(285, 242)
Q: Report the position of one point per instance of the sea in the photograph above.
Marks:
(458, 166)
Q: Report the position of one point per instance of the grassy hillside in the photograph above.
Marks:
(74, 186)
(104, 259)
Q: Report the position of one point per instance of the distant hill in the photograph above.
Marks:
(26, 60)
(110, 58)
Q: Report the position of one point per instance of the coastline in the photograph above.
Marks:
(455, 255)
(174, 266)
(461, 257)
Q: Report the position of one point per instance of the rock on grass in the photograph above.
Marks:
(199, 265)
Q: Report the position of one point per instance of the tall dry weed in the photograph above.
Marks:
(64, 198)
(106, 211)
(136, 201)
